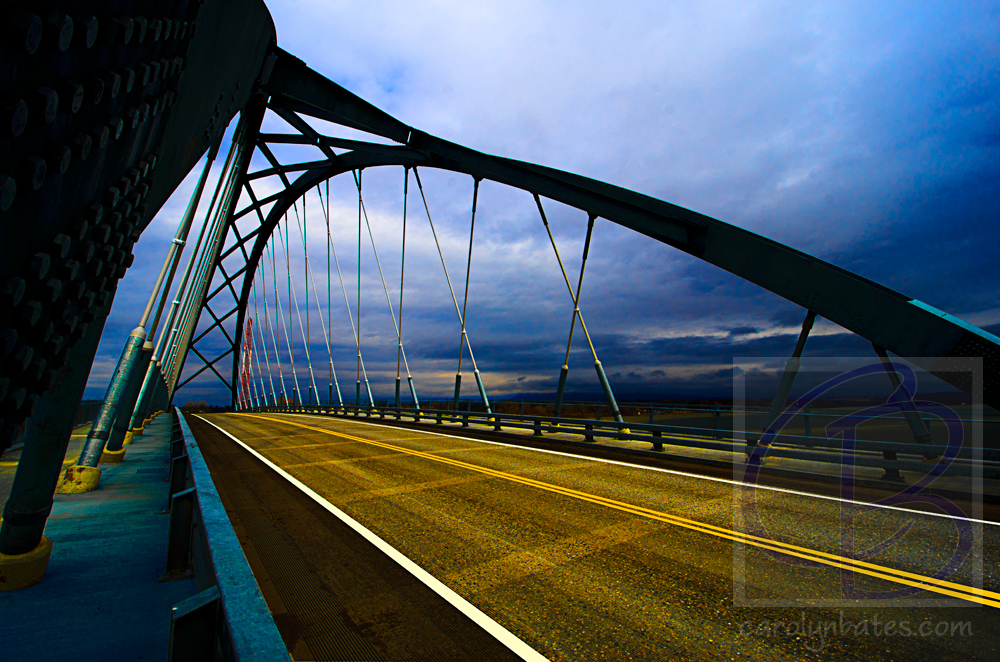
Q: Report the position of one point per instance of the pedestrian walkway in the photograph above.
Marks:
(100, 599)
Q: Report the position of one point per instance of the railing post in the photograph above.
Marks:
(178, 478)
(194, 628)
(538, 428)
(657, 444)
(178, 564)
(588, 434)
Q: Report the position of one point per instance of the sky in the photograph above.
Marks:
(864, 133)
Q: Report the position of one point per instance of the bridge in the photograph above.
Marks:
(312, 520)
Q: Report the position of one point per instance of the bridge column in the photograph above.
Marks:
(126, 409)
(913, 419)
(144, 402)
(784, 387)
(84, 475)
(24, 551)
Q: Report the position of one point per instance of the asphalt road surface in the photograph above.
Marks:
(589, 560)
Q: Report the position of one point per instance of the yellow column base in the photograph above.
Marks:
(23, 570)
(128, 437)
(113, 457)
(78, 480)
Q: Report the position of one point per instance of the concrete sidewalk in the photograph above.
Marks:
(100, 599)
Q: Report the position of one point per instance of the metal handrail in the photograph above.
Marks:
(800, 447)
(229, 614)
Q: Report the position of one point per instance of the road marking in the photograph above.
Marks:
(961, 591)
(497, 631)
(674, 472)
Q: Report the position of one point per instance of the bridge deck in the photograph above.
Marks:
(332, 594)
(578, 558)
(99, 599)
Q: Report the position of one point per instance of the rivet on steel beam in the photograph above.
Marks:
(33, 172)
(61, 27)
(8, 190)
(17, 395)
(94, 89)
(140, 25)
(81, 146)
(124, 29)
(69, 270)
(60, 245)
(12, 291)
(94, 213)
(46, 102)
(52, 289)
(38, 266)
(85, 251)
(15, 115)
(100, 136)
(26, 29)
(8, 340)
(71, 95)
(157, 27)
(115, 127)
(30, 313)
(113, 83)
(87, 26)
(59, 156)
(112, 197)
(76, 288)
(144, 73)
(35, 371)
(128, 79)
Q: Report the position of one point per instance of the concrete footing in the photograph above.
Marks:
(78, 480)
(23, 570)
(112, 457)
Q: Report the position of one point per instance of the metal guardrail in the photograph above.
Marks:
(228, 618)
(891, 456)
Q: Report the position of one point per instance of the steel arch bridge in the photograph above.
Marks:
(292, 91)
(106, 110)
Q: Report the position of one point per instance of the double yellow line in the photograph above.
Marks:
(951, 589)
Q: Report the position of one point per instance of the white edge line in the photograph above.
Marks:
(666, 471)
(497, 631)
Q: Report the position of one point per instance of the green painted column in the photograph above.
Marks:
(126, 408)
(98, 436)
(46, 440)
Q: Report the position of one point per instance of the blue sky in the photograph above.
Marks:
(865, 133)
